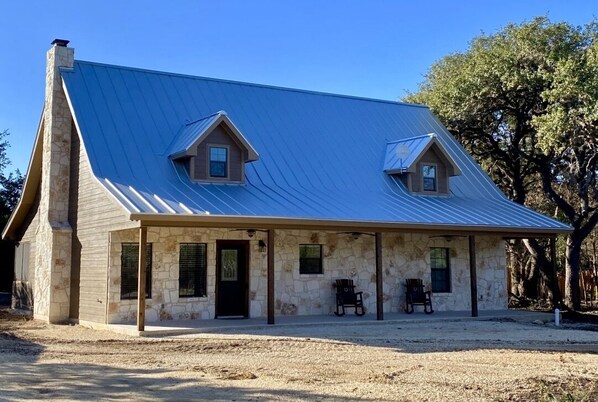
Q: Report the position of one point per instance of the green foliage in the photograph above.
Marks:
(10, 185)
(524, 103)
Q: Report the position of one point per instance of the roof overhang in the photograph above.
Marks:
(203, 130)
(30, 186)
(401, 159)
(241, 222)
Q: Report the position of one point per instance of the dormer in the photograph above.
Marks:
(421, 163)
(212, 149)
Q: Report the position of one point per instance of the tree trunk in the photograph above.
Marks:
(573, 253)
(545, 269)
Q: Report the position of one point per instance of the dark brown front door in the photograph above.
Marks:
(232, 284)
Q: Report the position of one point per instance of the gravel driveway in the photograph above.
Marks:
(435, 361)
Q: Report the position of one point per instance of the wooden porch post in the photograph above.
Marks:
(141, 279)
(270, 275)
(379, 280)
(473, 277)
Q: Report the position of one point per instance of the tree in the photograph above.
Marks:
(524, 102)
(10, 185)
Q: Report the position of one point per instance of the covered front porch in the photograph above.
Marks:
(378, 259)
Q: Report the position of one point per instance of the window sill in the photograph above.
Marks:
(311, 275)
(192, 299)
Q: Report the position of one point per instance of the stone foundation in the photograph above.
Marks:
(404, 256)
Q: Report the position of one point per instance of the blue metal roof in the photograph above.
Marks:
(322, 156)
(190, 132)
(402, 154)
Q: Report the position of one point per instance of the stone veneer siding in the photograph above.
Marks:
(404, 256)
(51, 285)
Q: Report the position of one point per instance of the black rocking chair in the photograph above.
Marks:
(415, 294)
(346, 296)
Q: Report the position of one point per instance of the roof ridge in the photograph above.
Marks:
(218, 113)
(429, 135)
(276, 87)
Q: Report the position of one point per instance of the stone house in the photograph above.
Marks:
(155, 196)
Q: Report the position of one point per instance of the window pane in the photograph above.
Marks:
(429, 175)
(310, 259)
(193, 270)
(430, 171)
(218, 161)
(230, 265)
(440, 269)
(217, 169)
(218, 154)
(129, 262)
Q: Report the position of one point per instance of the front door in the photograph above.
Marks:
(232, 284)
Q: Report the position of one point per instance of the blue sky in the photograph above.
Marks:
(378, 49)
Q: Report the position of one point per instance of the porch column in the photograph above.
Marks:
(379, 280)
(556, 290)
(270, 275)
(141, 279)
(473, 277)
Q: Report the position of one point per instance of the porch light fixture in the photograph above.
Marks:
(251, 233)
(262, 245)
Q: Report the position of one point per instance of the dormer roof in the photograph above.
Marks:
(402, 155)
(194, 132)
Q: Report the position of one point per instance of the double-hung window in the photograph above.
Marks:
(310, 259)
(441, 270)
(129, 267)
(218, 162)
(193, 270)
(429, 177)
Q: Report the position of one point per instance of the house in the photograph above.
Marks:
(215, 198)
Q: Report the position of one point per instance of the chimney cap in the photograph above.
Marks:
(60, 42)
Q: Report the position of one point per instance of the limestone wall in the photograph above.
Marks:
(51, 288)
(404, 256)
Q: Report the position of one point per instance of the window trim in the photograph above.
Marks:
(435, 166)
(148, 273)
(209, 161)
(202, 291)
(448, 273)
(320, 260)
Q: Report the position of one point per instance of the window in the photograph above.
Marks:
(129, 265)
(193, 270)
(441, 271)
(218, 162)
(310, 259)
(429, 176)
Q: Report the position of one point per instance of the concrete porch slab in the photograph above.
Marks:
(186, 327)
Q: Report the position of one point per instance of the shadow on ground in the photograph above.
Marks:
(92, 382)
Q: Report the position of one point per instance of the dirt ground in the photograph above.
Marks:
(499, 360)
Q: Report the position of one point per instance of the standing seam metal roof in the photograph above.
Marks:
(321, 155)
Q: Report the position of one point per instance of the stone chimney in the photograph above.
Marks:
(51, 287)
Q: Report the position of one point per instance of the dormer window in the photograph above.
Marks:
(429, 177)
(422, 164)
(212, 149)
(218, 162)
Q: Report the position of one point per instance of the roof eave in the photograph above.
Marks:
(231, 221)
(32, 180)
